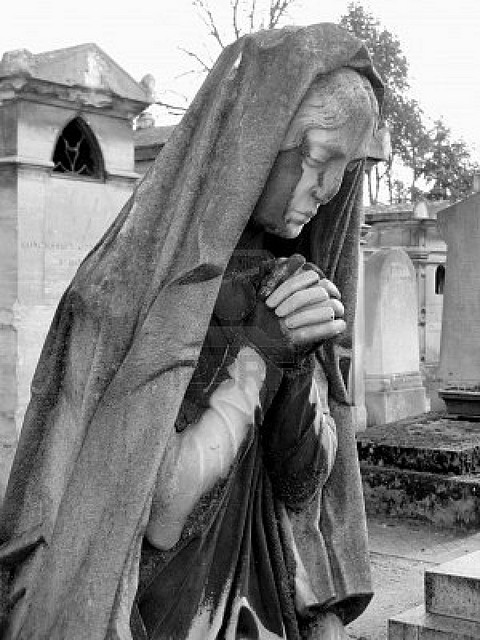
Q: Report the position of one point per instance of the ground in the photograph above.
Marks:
(400, 552)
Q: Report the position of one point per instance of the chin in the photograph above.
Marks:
(290, 231)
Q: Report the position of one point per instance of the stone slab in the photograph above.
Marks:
(459, 353)
(433, 442)
(441, 500)
(453, 588)
(418, 624)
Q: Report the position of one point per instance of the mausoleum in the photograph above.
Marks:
(66, 169)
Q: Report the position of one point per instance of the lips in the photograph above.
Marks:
(308, 215)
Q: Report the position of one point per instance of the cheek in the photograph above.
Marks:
(330, 183)
(284, 177)
(309, 181)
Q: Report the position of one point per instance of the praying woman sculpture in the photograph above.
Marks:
(187, 467)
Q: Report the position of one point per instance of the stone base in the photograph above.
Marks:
(453, 588)
(418, 624)
(452, 604)
(441, 500)
(394, 404)
(426, 468)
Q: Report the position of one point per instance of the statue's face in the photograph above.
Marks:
(309, 176)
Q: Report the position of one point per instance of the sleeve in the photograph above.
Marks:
(218, 355)
(299, 438)
(215, 430)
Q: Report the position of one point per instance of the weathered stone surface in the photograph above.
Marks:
(417, 624)
(432, 443)
(453, 588)
(49, 221)
(448, 501)
(460, 354)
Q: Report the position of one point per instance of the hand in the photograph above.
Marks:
(308, 306)
(285, 314)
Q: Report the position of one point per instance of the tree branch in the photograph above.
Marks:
(196, 57)
(251, 16)
(277, 9)
(234, 4)
(173, 108)
(209, 20)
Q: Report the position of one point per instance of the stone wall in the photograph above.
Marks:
(48, 223)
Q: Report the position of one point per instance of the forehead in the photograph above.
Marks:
(350, 140)
(341, 103)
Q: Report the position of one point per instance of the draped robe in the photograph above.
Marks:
(126, 339)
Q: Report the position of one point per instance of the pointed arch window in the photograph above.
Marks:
(439, 279)
(77, 152)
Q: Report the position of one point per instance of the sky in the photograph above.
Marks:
(440, 38)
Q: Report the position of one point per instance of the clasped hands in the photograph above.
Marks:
(286, 312)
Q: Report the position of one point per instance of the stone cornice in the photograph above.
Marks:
(46, 165)
(25, 162)
(33, 89)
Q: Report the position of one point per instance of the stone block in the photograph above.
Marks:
(459, 355)
(453, 588)
(431, 443)
(418, 624)
(444, 501)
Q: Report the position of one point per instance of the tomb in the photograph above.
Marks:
(66, 169)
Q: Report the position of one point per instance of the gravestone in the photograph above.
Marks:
(393, 385)
(459, 370)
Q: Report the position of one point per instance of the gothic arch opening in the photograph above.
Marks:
(77, 152)
(439, 279)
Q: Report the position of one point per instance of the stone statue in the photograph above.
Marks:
(187, 466)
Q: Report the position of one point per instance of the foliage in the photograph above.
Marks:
(444, 164)
(454, 179)
(392, 65)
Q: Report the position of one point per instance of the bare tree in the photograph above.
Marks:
(245, 16)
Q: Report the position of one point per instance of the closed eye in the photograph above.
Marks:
(311, 161)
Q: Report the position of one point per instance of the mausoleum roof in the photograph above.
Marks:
(84, 66)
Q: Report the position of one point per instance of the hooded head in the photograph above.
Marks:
(329, 135)
(184, 220)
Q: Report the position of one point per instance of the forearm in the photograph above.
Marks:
(203, 453)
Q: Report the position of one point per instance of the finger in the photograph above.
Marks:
(302, 280)
(336, 305)
(313, 267)
(300, 299)
(325, 282)
(310, 335)
(309, 317)
(280, 273)
(331, 288)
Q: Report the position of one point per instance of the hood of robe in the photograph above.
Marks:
(128, 331)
